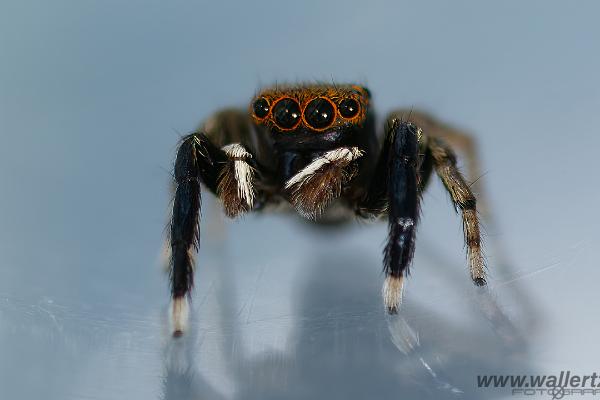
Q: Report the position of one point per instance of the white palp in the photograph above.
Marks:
(343, 156)
(244, 173)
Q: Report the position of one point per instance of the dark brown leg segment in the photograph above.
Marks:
(444, 162)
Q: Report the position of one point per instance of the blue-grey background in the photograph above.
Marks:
(94, 96)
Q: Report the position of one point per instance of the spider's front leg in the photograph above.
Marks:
(226, 172)
(395, 187)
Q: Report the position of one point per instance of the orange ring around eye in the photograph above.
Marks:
(261, 108)
(354, 108)
(280, 120)
(333, 119)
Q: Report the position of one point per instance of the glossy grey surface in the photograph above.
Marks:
(94, 96)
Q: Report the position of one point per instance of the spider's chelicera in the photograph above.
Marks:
(316, 148)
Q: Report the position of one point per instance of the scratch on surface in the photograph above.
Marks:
(208, 291)
(51, 315)
(406, 339)
(575, 248)
(253, 296)
(529, 274)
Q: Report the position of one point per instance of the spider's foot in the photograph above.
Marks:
(480, 282)
(476, 264)
(316, 185)
(236, 182)
(392, 293)
(179, 316)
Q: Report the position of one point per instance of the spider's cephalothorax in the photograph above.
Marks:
(316, 148)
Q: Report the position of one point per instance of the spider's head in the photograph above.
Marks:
(311, 115)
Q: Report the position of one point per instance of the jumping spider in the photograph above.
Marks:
(315, 147)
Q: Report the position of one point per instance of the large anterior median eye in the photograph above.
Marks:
(261, 107)
(286, 113)
(319, 113)
(348, 108)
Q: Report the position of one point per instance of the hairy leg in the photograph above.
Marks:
(395, 188)
(197, 160)
(442, 138)
(403, 208)
(444, 162)
(454, 137)
(225, 172)
(464, 143)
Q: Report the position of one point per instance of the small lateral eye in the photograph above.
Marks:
(261, 107)
(286, 113)
(348, 108)
(319, 113)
